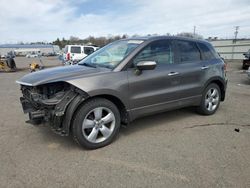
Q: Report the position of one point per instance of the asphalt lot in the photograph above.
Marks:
(172, 149)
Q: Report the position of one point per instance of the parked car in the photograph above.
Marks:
(50, 54)
(246, 61)
(32, 55)
(122, 81)
(77, 52)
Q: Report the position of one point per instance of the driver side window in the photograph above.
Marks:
(160, 51)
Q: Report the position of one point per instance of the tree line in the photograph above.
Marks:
(102, 41)
(91, 40)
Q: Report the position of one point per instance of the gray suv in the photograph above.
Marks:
(122, 81)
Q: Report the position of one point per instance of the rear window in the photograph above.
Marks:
(75, 49)
(207, 53)
(188, 51)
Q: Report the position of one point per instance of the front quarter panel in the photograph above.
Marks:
(110, 83)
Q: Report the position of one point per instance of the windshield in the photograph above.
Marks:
(111, 55)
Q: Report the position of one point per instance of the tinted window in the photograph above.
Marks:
(75, 49)
(188, 51)
(88, 50)
(160, 52)
(207, 54)
(215, 54)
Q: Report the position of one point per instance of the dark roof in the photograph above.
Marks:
(166, 37)
(26, 46)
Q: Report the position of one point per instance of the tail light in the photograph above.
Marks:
(68, 56)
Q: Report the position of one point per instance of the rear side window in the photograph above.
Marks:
(188, 51)
(206, 52)
(160, 51)
(75, 49)
(88, 50)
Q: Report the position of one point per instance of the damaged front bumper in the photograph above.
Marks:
(56, 110)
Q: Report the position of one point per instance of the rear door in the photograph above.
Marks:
(153, 90)
(190, 64)
(76, 52)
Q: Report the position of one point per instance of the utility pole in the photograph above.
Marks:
(194, 30)
(236, 33)
(235, 39)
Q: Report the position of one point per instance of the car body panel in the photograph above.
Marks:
(109, 83)
(160, 86)
(150, 91)
(59, 74)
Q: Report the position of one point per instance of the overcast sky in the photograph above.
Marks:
(45, 20)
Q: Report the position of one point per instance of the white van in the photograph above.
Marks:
(77, 52)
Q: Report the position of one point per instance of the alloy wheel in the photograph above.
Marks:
(212, 99)
(98, 125)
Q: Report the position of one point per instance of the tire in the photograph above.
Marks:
(244, 67)
(211, 98)
(96, 123)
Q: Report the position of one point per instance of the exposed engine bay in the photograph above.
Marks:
(50, 102)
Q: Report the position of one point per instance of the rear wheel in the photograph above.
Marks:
(210, 100)
(96, 123)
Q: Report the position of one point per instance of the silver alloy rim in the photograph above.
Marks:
(98, 125)
(212, 99)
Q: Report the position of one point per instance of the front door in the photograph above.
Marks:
(154, 90)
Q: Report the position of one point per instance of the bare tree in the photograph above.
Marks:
(190, 35)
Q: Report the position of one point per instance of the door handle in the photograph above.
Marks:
(204, 67)
(172, 73)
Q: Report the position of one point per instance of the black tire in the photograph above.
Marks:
(245, 67)
(84, 112)
(203, 108)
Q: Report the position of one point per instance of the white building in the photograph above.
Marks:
(23, 49)
(229, 49)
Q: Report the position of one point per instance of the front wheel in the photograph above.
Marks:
(210, 100)
(96, 123)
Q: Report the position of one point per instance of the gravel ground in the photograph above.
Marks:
(172, 149)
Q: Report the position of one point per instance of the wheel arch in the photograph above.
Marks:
(114, 99)
(119, 104)
(221, 83)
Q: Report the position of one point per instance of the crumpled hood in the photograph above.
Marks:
(59, 74)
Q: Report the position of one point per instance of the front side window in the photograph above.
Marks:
(160, 51)
(188, 51)
(75, 49)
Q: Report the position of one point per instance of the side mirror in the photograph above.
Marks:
(146, 65)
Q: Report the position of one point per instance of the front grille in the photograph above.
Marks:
(27, 94)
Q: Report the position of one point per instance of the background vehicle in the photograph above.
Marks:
(122, 81)
(77, 52)
(246, 62)
(32, 55)
(50, 54)
(34, 66)
(7, 63)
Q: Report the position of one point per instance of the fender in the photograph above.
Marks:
(70, 113)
